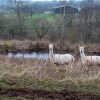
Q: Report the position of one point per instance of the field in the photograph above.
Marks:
(26, 30)
(28, 79)
(31, 78)
(49, 17)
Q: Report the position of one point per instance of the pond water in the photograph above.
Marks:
(38, 55)
(35, 55)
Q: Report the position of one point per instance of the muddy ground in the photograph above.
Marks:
(47, 95)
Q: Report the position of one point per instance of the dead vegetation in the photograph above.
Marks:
(30, 46)
(44, 70)
(39, 75)
(33, 74)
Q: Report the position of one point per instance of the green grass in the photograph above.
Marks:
(49, 17)
(11, 98)
(49, 85)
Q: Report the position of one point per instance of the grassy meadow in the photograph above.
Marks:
(28, 73)
(49, 17)
(21, 73)
(40, 74)
(28, 31)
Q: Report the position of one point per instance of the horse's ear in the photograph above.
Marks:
(84, 46)
(50, 44)
(80, 46)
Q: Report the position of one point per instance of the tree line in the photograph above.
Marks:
(19, 23)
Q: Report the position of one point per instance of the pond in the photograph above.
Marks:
(35, 55)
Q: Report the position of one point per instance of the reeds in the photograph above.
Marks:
(44, 70)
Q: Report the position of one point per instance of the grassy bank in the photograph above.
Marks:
(42, 46)
(42, 75)
(23, 46)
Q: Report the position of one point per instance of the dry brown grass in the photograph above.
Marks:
(29, 46)
(44, 70)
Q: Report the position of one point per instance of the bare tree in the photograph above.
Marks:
(18, 7)
(86, 15)
(40, 27)
(3, 26)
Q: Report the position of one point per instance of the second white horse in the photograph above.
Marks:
(90, 60)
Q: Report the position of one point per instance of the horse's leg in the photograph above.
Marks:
(71, 67)
(66, 68)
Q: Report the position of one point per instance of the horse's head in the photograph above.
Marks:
(81, 49)
(50, 46)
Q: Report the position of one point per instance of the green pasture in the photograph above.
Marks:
(49, 17)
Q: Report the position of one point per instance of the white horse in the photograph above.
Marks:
(60, 59)
(90, 60)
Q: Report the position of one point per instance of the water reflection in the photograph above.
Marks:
(35, 55)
